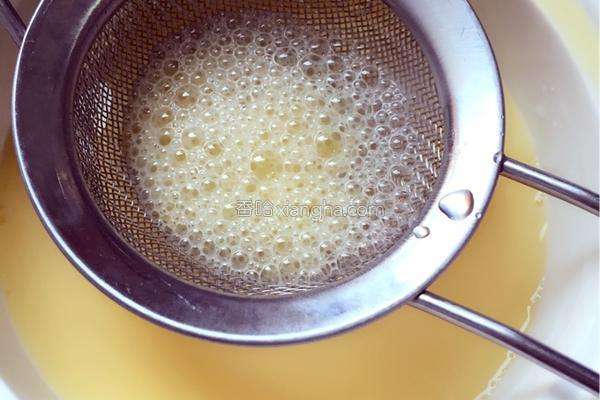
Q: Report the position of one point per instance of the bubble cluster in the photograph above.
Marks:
(257, 108)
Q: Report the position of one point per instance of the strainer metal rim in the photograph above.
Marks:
(46, 70)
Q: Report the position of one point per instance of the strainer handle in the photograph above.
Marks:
(508, 337)
(551, 184)
(10, 20)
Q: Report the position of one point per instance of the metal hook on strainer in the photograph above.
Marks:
(77, 67)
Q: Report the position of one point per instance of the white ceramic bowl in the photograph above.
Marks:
(543, 71)
(553, 88)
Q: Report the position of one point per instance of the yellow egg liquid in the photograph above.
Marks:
(88, 347)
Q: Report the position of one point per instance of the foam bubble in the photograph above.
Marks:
(260, 110)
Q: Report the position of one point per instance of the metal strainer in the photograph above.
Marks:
(118, 56)
(76, 73)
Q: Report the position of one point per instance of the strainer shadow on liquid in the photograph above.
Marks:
(78, 67)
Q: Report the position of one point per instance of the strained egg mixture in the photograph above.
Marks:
(79, 346)
(227, 122)
(268, 149)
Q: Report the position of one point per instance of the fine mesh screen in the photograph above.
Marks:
(119, 55)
